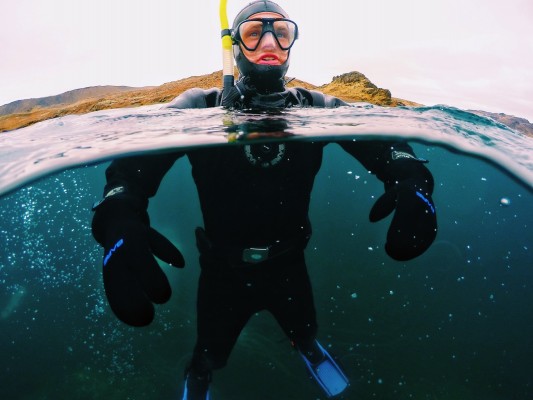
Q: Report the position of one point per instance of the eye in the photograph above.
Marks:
(281, 33)
(250, 30)
(253, 34)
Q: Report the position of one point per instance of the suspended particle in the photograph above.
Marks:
(504, 201)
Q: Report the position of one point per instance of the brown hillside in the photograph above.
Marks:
(351, 87)
(70, 97)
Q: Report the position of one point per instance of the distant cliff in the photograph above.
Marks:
(351, 87)
(518, 124)
(72, 96)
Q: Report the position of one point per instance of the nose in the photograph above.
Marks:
(268, 41)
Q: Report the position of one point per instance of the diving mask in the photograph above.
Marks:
(250, 32)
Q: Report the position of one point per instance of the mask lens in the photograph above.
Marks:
(285, 33)
(250, 32)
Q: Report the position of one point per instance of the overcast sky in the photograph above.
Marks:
(465, 53)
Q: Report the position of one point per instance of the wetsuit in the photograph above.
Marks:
(255, 202)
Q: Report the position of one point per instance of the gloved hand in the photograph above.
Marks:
(133, 279)
(414, 225)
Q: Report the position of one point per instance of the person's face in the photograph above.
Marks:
(268, 51)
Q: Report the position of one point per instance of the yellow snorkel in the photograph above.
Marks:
(227, 52)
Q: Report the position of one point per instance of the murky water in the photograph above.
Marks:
(454, 323)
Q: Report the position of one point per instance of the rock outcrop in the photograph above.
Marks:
(354, 87)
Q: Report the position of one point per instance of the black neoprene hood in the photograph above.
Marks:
(263, 77)
(257, 7)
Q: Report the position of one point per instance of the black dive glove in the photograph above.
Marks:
(414, 225)
(133, 279)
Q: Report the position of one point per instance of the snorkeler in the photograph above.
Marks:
(255, 202)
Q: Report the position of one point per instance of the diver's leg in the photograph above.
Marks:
(221, 316)
(294, 309)
(291, 301)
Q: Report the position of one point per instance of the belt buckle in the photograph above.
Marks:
(255, 254)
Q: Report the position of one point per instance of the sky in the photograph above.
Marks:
(471, 54)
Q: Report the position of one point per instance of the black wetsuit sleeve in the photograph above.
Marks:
(390, 161)
(141, 175)
(314, 98)
(332, 102)
(197, 98)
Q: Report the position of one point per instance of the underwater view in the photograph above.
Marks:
(454, 323)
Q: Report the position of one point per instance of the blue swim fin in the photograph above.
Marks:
(327, 373)
(196, 389)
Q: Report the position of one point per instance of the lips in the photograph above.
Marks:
(269, 59)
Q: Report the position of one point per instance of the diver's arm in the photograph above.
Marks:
(408, 190)
(331, 101)
(197, 98)
(133, 280)
(314, 98)
(391, 162)
(130, 183)
(139, 175)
